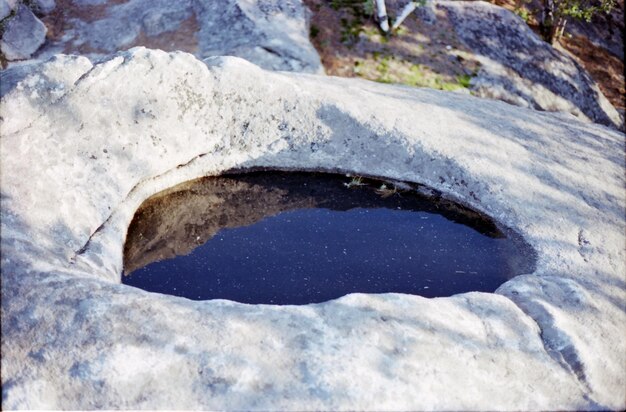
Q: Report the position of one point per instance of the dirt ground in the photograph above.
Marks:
(424, 55)
(60, 22)
(428, 55)
(605, 68)
(420, 53)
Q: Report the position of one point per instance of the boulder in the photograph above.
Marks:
(270, 33)
(5, 9)
(520, 68)
(23, 34)
(43, 6)
(84, 144)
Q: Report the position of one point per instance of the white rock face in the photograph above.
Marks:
(83, 145)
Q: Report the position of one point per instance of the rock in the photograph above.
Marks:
(5, 9)
(270, 33)
(83, 145)
(43, 6)
(605, 31)
(23, 35)
(519, 68)
(88, 2)
(427, 13)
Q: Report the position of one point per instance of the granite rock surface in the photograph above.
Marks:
(516, 65)
(273, 34)
(520, 68)
(43, 6)
(84, 144)
(23, 34)
(5, 9)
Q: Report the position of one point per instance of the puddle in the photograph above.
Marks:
(298, 238)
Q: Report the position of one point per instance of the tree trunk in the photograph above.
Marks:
(548, 25)
(408, 9)
(381, 14)
(560, 29)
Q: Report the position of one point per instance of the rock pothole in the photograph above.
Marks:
(300, 238)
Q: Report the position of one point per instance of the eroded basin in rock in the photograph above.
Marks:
(299, 238)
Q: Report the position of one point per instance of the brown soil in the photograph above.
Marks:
(59, 21)
(350, 44)
(184, 38)
(605, 68)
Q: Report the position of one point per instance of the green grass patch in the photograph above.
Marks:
(314, 31)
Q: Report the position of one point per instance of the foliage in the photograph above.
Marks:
(390, 69)
(556, 12)
(384, 191)
(355, 181)
(314, 31)
(464, 80)
(583, 10)
(361, 11)
(350, 30)
(384, 66)
(523, 13)
(360, 8)
(369, 8)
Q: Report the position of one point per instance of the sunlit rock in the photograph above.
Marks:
(83, 145)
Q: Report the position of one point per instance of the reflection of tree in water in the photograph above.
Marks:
(177, 220)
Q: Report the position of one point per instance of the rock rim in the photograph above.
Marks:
(84, 144)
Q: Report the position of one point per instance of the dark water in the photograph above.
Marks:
(281, 238)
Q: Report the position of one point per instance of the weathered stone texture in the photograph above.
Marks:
(23, 34)
(520, 68)
(270, 33)
(83, 145)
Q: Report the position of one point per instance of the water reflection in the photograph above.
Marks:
(296, 238)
